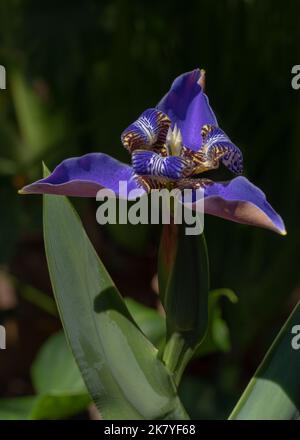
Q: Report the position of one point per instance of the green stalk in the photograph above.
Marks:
(176, 356)
(184, 285)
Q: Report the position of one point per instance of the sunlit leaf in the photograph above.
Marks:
(118, 363)
(274, 391)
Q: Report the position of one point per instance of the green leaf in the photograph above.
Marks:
(43, 407)
(55, 407)
(61, 392)
(17, 409)
(217, 337)
(152, 324)
(54, 369)
(37, 297)
(274, 391)
(118, 363)
(40, 126)
(184, 283)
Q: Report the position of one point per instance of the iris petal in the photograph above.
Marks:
(148, 163)
(84, 176)
(241, 201)
(150, 129)
(187, 106)
(218, 146)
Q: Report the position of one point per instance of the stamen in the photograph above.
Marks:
(174, 141)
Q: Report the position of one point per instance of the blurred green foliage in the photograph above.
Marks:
(60, 391)
(79, 72)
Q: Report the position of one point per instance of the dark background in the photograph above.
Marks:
(77, 74)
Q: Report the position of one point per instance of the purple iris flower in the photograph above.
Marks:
(171, 146)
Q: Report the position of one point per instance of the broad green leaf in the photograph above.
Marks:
(274, 391)
(152, 324)
(55, 371)
(61, 392)
(118, 363)
(183, 283)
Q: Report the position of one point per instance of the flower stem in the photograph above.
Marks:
(176, 356)
(184, 285)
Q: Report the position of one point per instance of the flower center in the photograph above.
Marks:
(174, 141)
